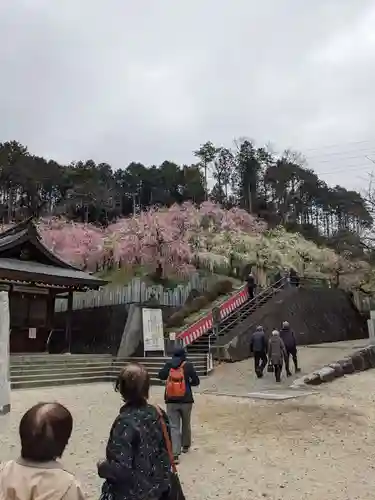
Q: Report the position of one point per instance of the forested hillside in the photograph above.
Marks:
(246, 180)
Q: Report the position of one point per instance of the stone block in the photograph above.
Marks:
(327, 374)
(313, 379)
(339, 372)
(371, 350)
(358, 362)
(347, 366)
(365, 354)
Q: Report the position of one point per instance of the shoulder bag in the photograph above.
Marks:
(175, 492)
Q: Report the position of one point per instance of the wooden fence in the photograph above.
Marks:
(135, 292)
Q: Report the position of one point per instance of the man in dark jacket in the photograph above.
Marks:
(179, 408)
(293, 277)
(258, 346)
(251, 285)
(289, 340)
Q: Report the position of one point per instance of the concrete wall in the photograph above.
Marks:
(316, 316)
(97, 330)
(132, 336)
(104, 329)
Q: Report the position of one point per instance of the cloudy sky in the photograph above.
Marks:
(149, 80)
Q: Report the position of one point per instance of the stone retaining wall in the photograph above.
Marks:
(359, 361)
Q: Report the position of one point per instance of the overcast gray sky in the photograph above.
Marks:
(149, 80)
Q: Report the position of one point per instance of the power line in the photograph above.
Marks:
(345, 169)
(340, 153)
(330, 146)
(339, 160)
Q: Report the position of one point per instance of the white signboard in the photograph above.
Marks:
(4, 354)
(32, 333)
(153, 334)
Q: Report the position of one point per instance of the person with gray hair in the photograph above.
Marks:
(258, 346)
(289, 339)
(276, 354)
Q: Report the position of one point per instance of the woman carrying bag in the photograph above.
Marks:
(138, 463)
(276, 354)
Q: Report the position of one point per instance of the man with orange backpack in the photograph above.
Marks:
(180, 377)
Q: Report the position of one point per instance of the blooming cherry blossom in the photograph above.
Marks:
(176, 239)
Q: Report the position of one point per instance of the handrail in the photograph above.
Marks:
(205, 314)
(205, 322)
(234, 306)
(245, 307)
(240, 312)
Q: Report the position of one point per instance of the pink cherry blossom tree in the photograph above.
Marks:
(165, 240)
(152, 240)
(81, 245)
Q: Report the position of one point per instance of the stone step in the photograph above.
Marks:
(116, 361)
(59, 381)
(54, 382)
(201, 365)
(201, 370)
(202, 342)
(25, 358)
(65, 375)
(53, 370)
(88, 360)
(29, 355)
(69, 375)
(60, 362)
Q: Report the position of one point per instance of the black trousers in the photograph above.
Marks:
(260, 362)
(291, 351)
(277, 370)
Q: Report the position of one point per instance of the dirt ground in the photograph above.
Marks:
(237, 378)
(316, 447)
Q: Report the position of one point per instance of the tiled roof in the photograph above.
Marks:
(56, 272)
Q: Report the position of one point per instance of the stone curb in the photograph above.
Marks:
(359, 361)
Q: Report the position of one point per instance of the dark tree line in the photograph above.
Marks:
(281, 189)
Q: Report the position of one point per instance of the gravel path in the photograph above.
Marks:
(239, 378)
(316, 447)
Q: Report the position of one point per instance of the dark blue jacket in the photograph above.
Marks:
(191, 377)
(258, 341)
(288, 338)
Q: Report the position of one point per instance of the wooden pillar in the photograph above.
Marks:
(68, 326)
(50, 310)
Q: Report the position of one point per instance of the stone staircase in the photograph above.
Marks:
(48, 370)
(201, 345)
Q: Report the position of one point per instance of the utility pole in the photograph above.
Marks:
(140, 195)
(134, 196)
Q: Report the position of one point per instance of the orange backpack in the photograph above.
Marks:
(176, 385)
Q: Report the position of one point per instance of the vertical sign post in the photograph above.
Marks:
(4, 356)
